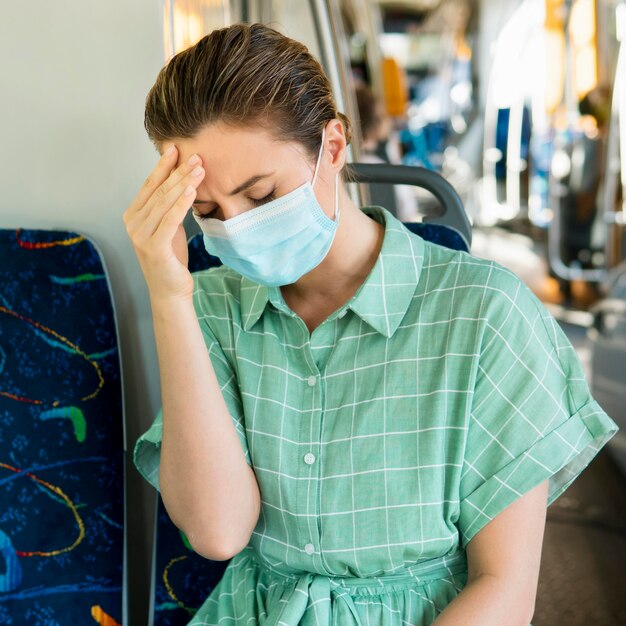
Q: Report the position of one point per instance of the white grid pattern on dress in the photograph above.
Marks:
(441, 392)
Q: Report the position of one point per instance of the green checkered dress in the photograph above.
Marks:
(383, 442)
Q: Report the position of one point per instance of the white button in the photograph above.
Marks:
(309, 458)
(311, 380)
(309, 548)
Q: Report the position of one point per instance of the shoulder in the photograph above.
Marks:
(448, 268)
(467, 267)
(466, 285)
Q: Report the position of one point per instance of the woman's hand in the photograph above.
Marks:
(154, 225)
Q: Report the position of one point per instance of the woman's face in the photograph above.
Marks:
(247, 167)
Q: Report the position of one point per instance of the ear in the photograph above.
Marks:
(335, 143)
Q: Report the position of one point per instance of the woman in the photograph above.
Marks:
(368, 424)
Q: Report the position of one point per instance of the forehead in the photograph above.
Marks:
(232, 155)
(225, 146)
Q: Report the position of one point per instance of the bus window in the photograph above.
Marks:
(295, 19)
(187, 21)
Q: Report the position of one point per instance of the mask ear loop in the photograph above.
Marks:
(337, 211)
(319, 160)
(317, 166)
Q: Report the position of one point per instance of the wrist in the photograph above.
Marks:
(168, 306)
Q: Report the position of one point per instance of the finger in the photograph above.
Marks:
(173, 218)
(155, 179)
(180, 172)
(173, 186)
(149, 221)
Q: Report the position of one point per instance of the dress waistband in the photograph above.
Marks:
(307, 597)
(411, 575)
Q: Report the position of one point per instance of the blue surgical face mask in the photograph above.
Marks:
(278, 242)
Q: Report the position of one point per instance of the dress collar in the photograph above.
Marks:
(384, 297)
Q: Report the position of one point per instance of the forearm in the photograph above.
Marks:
(488, 601)
(207, 487)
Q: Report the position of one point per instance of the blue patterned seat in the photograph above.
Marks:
(61, 434)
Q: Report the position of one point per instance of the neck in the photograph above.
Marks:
(352, 256)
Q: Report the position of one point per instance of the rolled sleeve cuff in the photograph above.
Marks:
(147, 453)
(559, 456)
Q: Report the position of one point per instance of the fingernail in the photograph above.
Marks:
(170, 150)
(197, 171)
(193, 159)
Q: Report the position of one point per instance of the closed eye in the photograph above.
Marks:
(268, 198)
(256, 201)
(204, 216)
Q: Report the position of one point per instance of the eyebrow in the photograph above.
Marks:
(246, 185)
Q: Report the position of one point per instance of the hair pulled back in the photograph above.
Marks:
(243, 75)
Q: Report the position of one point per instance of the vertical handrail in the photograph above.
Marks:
(514, 157)
(329, 31)
(328, 46)
(616, 143)
(620, 88)
(489, 184)
(557, 264)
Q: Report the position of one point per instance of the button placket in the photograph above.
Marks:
(308, 489)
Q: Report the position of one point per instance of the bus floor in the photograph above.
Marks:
(582, 580)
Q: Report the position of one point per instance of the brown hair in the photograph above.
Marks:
(243, 75)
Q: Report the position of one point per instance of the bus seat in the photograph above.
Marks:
(62, 445)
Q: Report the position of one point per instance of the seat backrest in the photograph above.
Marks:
(452, 212)
(181, 578)
(61, 434)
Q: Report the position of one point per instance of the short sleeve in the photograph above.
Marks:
(147, 451)
(532, 415)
